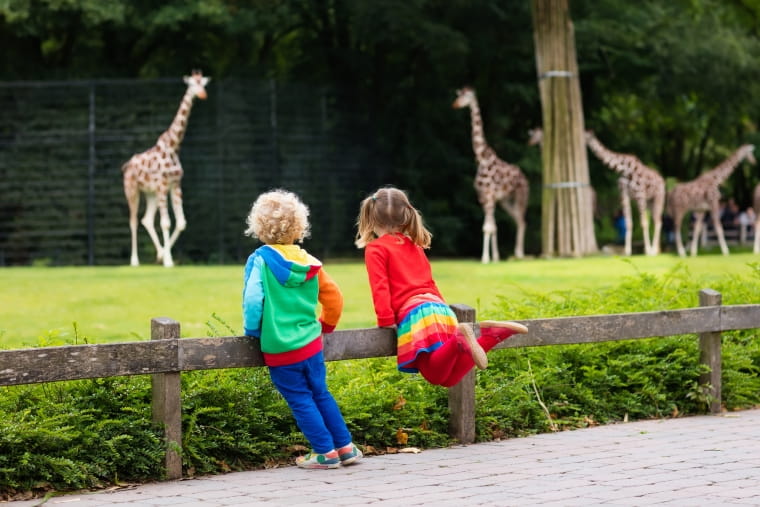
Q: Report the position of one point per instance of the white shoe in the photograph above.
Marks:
(514, 326)
(479, 356)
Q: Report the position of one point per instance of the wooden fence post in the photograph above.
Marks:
(167, 399)
(462, 395)
(710, 353)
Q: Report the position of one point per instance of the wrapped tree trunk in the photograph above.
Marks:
(567, 225)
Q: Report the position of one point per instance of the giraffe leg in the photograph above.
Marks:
(494, 246)
(756, 232)
(657, 208)
(148, 221)
(715, 215)
(517, 212)
(489, 235)
(648, 247)
(519, 242)
(166, 224)
(179, 215)
(677, 220)
(699, 218)
(485, 258)
(641, 204)
(133, 201)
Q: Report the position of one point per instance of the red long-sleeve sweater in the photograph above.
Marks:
(398, 269)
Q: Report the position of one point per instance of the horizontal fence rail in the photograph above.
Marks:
(166, 355)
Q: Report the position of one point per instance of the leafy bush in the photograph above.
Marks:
(89, 433)
(77, 435)
(582, 385)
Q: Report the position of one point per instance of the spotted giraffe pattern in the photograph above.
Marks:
(639, 183)
(496, 181)
(702, 195)
(157, 173)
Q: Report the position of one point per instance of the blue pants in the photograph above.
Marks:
(304, 387)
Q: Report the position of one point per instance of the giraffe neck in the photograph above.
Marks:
(172, 137)
(724, 170)
(479, 144)
(615, 161)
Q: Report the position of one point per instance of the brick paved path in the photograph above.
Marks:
(694, 461)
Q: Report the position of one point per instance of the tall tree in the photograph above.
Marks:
(567, 226)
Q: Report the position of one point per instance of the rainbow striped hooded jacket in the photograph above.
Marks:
(282, 286)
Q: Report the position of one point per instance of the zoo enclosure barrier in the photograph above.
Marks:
(165, 356)
(62, 145)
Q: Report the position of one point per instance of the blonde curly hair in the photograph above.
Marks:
(278, 217)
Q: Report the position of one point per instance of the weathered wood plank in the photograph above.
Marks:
(73, 362)
(739, 317)
(245, 352)
(214, 353)
(360, 344)
(624, 326)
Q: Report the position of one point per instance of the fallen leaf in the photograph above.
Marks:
(410, 450)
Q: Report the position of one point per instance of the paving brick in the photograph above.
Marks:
(690, 461)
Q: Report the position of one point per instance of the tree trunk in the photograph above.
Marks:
(567, 226)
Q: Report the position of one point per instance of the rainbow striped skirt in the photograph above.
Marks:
(428, 324)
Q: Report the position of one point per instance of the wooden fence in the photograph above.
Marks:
(166, 356)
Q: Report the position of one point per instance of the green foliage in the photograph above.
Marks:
(379, 402)
(232, 420)
(673, 82)
(77, 435)
(90, 433)
(613, 381)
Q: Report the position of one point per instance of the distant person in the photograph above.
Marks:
(729, 214)
(668, 229)
(620, 227)
(282, 285)
(405, 297)
(746, 221)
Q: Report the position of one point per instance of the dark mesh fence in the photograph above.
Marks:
(62, 146)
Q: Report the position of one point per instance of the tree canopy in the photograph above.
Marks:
(673, 81)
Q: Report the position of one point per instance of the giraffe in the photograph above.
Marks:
(756, 232)
(157, 173)
(702, 195)
(640, 183)
(496, 181)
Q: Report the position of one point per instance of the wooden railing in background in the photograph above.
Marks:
(166, 356)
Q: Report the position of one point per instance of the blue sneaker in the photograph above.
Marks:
(350, 454)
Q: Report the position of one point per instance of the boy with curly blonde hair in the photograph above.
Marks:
(283, 284)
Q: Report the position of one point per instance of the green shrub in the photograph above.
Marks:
(90, 433)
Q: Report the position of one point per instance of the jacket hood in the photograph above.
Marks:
(291, 265)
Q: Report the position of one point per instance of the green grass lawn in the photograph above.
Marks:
(40, 306)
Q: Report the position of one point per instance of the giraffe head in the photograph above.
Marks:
(197, 84)
(535, 136)
(749, 150)
(465, 97)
